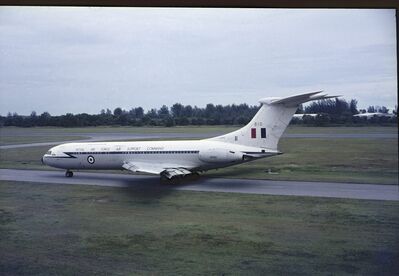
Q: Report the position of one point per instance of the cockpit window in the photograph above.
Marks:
(49, 152)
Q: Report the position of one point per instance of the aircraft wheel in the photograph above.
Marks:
(165, 180)
(68, 174)
(172, 181)
(192, 176)
(178, 179)
(196, 175)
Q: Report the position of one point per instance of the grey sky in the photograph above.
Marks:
(84, 59)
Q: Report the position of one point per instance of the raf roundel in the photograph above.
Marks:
(90, 159)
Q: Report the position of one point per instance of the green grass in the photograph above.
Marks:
(81, 230)
(335, 160)
(295, 129)
(111, 129)
(14, 140)
(23, 158)
(292, 129)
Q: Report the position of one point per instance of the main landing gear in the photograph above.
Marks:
(178, 179)
(68, 174)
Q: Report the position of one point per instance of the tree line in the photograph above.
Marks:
(341, 112)
(331, 111)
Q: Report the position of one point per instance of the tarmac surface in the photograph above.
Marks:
(245, 186)
(96, 137)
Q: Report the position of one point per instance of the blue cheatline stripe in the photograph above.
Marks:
(60, 156)
(133, 152)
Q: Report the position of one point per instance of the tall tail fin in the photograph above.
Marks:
(269, 123)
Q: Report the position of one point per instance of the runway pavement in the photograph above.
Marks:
(119, 136)
(246, 186)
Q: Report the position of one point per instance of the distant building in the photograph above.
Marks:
(369, 115)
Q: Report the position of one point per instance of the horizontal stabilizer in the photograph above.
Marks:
(296, 100)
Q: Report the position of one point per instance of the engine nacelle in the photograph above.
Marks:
(219, 155)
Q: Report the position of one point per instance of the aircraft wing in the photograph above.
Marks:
(153, 168)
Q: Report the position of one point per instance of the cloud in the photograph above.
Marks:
(73, 59)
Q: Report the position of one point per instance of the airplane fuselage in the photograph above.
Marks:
(196, 155)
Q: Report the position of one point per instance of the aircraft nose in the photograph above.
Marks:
(44, 160)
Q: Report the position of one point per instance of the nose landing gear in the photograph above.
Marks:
(68, 174)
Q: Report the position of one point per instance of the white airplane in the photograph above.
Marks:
(177, 159)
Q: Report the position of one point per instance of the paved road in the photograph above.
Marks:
(294, 188)
(95, 137)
